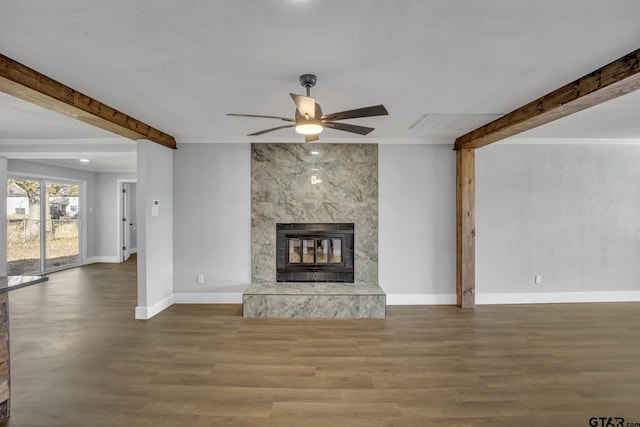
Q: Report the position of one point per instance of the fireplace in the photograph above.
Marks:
(314, 252)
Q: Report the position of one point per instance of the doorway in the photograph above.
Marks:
(43, 225)
(127, 214)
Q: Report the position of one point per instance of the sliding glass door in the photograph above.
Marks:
(63, 233)
(43, 232)
(23, 226)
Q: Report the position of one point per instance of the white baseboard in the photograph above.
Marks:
(557, 297)
(407, 299)
(145, 313)
(516, 298)
(109, 259)
(133, 250)
(421, 299)
(207, 298)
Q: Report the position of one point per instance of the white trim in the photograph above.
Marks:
(145, 313)
(557, 297)
(83, 219)
(141, 313)
(421, 299)
(207, 298)
(108, 259)
(133, 250)
(516, 298)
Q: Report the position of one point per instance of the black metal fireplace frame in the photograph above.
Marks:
(342, 272)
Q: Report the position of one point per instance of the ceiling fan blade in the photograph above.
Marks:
(260, 116)
(305, 105)
(270, 130)
(376, 110)
(311, 138)
(362, 130)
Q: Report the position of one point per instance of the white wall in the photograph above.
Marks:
(570, 213)
(212, 227)
(417, 245)
(155, 232)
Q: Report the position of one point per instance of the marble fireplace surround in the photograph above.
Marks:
(314, 183)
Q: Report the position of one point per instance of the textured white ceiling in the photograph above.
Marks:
(180, 66)
(98, 162)
(23, 120)
(615, 119)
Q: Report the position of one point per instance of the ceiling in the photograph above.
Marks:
(98, 162)
(441, 67)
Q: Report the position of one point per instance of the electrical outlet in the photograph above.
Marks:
(537, 280)
(200, 278)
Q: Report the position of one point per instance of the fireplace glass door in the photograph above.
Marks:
(322, 251)
(294, 251)
(308, 251)
(336, 251)
(315, 251)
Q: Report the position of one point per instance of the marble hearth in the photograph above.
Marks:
(314, 300)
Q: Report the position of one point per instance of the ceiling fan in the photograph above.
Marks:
(309, 120)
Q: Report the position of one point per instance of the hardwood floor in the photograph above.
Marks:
(80, 359)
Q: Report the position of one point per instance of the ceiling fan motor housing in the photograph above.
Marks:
(308, 80)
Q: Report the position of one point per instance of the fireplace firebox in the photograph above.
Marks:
(317, 252)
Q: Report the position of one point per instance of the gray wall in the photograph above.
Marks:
(570, 213)
(212, 228)
(417, 221)
(155, 233)
(212, 210)
(107, 214)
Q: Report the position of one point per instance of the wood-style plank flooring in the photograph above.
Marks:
(80, 359)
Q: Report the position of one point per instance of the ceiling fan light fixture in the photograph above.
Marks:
(309, 127)
(309, 120)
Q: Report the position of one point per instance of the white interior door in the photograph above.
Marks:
(126, 221)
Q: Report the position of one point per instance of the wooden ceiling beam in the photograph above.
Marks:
(618, 78)
(27, 84)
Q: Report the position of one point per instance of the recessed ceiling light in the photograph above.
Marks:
(315, 152)
(85, 160)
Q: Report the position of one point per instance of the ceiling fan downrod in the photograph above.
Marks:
(308, 81)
